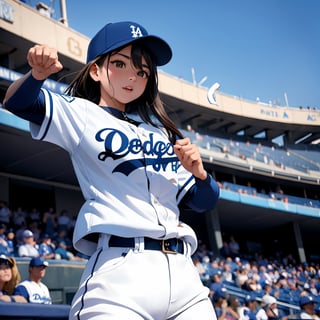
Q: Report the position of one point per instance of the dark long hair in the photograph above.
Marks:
(148, 105)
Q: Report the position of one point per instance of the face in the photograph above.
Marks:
(38, 272)
(120, 81)
(28, 240)
(5, 273)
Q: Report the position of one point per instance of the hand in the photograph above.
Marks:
(44, 61)
(190, 158)
(4, 298)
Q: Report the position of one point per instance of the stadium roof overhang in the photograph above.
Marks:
(208, 120)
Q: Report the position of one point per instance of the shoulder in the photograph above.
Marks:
(24, 283)
(66, 100)
(305, 315)
(261, 314)
(22, 289)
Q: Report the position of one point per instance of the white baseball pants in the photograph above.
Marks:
(137, 284)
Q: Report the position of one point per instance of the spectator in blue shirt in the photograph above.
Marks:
(46, 248)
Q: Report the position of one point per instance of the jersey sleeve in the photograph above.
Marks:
(28, 102)
(202, 196)
(64, 120)
(21, 290)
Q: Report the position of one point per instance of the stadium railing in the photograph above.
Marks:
(33, 311)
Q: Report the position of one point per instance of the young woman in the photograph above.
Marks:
(9, 278)
(135, 170)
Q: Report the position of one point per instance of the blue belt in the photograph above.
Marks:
(171, 246)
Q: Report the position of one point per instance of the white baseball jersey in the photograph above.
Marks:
(33, 292)
(129, 175)
(27, 250)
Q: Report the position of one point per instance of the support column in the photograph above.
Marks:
(214, 231)
(300, 247)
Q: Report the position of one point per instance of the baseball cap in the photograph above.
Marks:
(4, 260)
(37, 262)
(216, 272)
(266, 299)
(220, 293)
(249, 298)
(27, 234)
(306, 299)
(266, 283)
(116, 35)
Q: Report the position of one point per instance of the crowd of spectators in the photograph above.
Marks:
(35, 234)
(261, 288)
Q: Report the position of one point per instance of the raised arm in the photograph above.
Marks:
(21, 96)
(44, 62)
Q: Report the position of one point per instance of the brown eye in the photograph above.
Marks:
(118, 64)
(143, 74)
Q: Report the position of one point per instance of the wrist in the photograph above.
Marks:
(203, 175)
(37, 75)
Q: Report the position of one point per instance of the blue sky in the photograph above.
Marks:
(253, 48)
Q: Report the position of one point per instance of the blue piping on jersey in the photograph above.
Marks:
(183, 186)
(50, 115)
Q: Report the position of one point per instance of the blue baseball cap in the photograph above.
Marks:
(306, 299)
(220, 293)
(249, 298)
(116, 35)
(37, 262)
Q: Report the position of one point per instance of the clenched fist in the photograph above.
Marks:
(190, 158)
(44, 61)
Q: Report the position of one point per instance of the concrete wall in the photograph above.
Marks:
(62, 278)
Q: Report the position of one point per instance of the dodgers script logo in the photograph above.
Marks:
(136, 32)
(117, 146)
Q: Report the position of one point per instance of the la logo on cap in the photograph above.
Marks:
(136, 32)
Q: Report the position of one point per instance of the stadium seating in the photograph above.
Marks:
(292, 157)
(302, 160)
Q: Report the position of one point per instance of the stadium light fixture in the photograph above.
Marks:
(194, 81)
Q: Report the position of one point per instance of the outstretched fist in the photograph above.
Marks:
(44, 61)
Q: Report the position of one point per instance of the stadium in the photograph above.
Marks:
(265, 157)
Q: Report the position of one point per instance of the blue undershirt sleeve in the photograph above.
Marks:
(202, 196)
(21, 291)
(28, 101)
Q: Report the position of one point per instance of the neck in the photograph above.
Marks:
(36, 280)
(111, 102)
